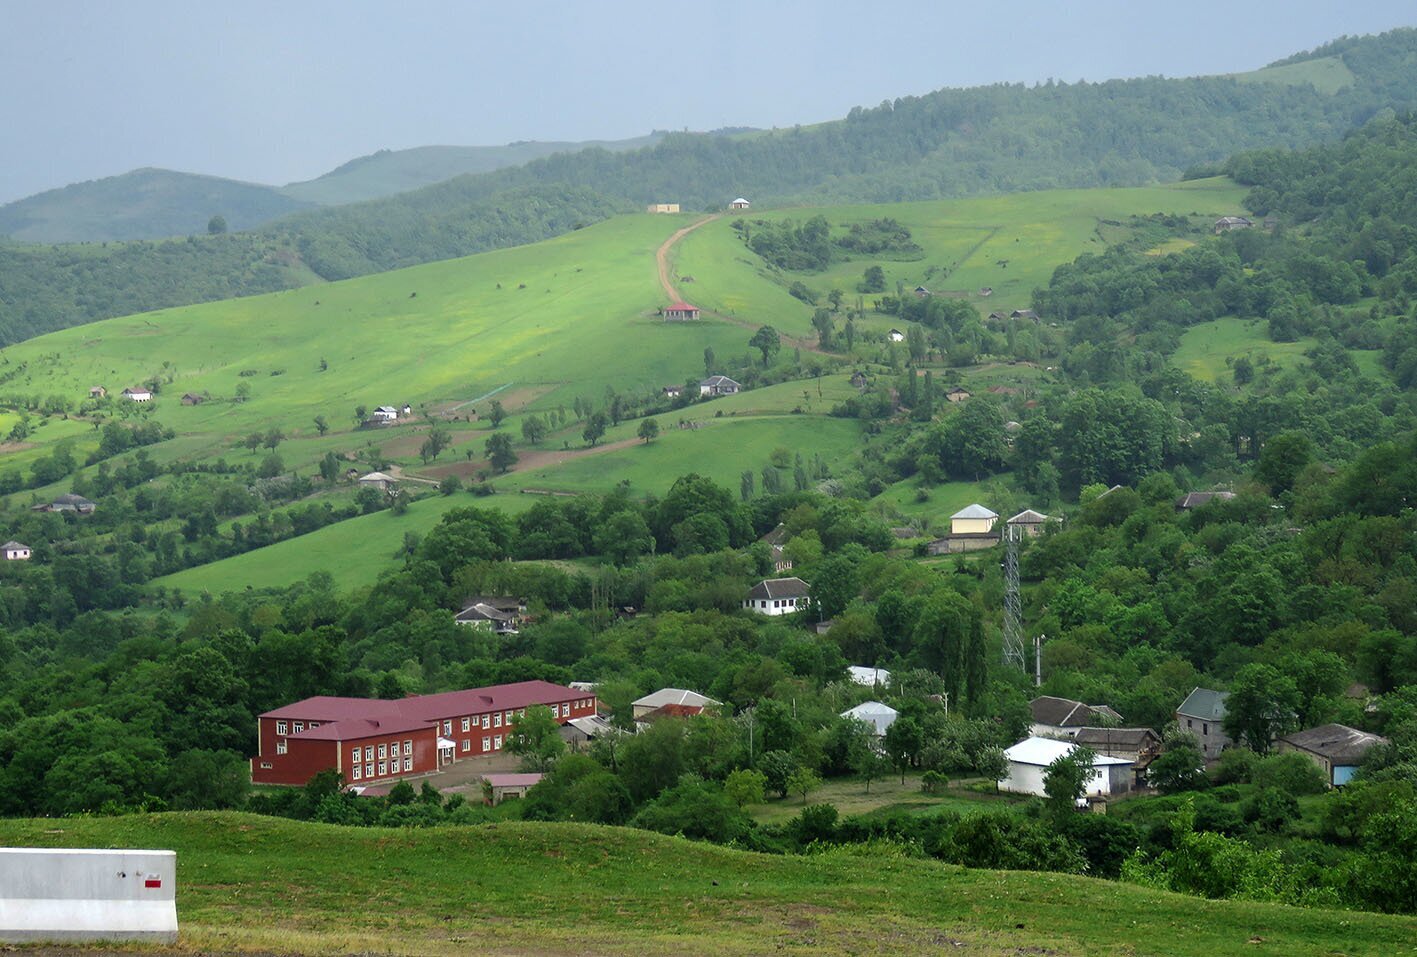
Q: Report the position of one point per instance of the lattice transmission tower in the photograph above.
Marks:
(1015, 652)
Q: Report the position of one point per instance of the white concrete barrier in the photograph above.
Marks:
(50, 894)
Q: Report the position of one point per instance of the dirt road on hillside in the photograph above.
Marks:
(661, 259)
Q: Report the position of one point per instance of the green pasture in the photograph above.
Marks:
(1010, 243)
(1206, 347)
(264, 884)
(354, 552)
(1327, 74)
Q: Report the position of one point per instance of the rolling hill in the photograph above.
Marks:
(142, 204)
(540, 327)
(397, 171)
(246, 882)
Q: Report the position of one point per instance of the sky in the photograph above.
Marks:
(277, 92)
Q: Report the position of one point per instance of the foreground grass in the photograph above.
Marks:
(253, 883)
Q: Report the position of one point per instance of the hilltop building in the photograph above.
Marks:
(971, 528)
(68, 502)
(368, 740)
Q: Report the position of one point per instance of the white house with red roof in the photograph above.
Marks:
(680, 312)
(369, 739)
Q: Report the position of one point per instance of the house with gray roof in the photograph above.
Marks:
(716, 385)
(1196, 499)
(879, 716)
(1138, 745)
(778, 596)
(1063, 717)
(1203, 714)
(971, 528)
(1336, 748)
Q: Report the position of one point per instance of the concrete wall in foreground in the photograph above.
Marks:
(49, 894)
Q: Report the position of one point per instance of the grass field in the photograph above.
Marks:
(251, 883)
(1326, 74)
(1205, 347)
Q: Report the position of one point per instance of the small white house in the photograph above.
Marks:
(869, 677)
(379, 480)
(15, 552)
(718, 385)
(137, 395)
(973, 520)
(739, 203)
(384, 413)
(879, 716)
(1030, 758)
(895, 335)
(778, 596)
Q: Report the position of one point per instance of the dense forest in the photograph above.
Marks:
(1298, 594)
(942, 144)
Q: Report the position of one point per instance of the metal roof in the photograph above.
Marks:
(1044, 751)
(779, 588)
(664, 696)
(1337, 742)
(1205, 704)
(975, 511)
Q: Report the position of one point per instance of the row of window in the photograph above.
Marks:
(296, 727)
(776, 603)
(359, 772)
(385, 751)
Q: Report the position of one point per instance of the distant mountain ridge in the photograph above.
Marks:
(153, 203)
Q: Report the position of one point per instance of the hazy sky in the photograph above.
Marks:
(282, 91)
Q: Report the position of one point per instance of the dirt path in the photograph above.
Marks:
(661, 259)
(661, 256)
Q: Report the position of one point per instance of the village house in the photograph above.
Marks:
(716, 385)
(895, 335)
(1064, 717)
(671, 702)
(98, 392)
(1029, 522)
(1196, 499)
(15, 552)
(985, 292)
(1029, 761)
(867, 676)
(879, 716)
(383, 415)
(68, 502)
(378, 480)
(775, 541)
(662, 208)
(1336, 748)
(680, 312)
(368, 740)
(137, 395)
(739, 203)
(578, 733)
(997, 316)
(1024, 314)
(1203, 714)
(500, 787)
(489, 617)
(921, 292)
(1138, 745)
(957, 394)
(971, 528)
(192, 398)
(673, 391)
(778, 596)
(1226, 223)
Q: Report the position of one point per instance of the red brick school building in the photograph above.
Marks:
(368, 740)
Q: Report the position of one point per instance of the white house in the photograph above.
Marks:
(878, 716)
(739, 203)
(378, 480)
(1030, 758)
(384, 413)
(137, 395)
(489, 618)
(718, 385)
(870, 677)
(895, 335)
(973, 520)
(15, 552)
(778, 596)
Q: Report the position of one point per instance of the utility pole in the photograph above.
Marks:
(1038, 660)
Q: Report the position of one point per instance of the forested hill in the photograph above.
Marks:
(142, 204)
(948, 143)
(1009, 136)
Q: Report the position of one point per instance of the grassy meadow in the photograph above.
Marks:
(538, 327)
(1208, 349)
(258, 883)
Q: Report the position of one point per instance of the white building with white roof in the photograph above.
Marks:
(879, 716)
(870, 677)
(1030, 758)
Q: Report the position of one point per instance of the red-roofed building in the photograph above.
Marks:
(680, 312)
(367, 739)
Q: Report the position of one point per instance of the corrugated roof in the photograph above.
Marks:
(512, 780)
(975, 511)
(1115, 737)
(664, 696)
(1044, 751)
(1205, 704)
(870, 709)
(1028, 517)
(1337, 742)
(681, 307)
(1067, 713)
(427, 708)
(779, 588)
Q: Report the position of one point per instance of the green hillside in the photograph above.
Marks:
(1327, 74)
(541, 327)
(255, 883)
(395, 171)
(142, 204)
